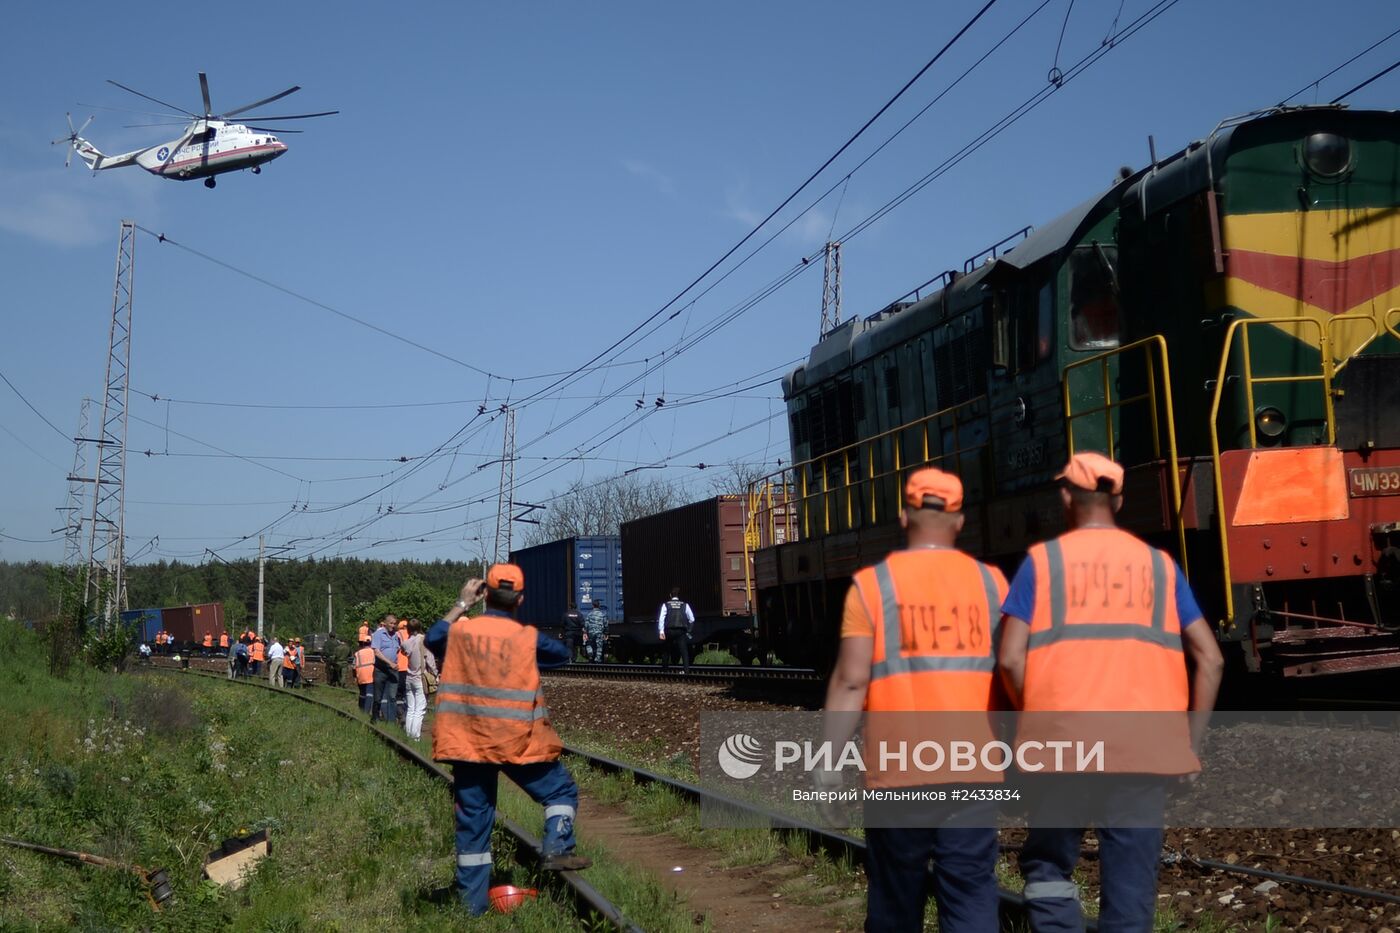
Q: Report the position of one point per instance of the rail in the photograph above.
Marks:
(588, 898)
(1391, 319)
(1249, 381)
(1159, 361)
(757, 678)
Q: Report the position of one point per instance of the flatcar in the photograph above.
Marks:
(1225, 323)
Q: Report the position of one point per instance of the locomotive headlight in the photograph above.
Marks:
(1270, 422)
(1327, 154)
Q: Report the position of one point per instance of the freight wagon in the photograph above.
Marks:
(144, 623)
(584, 570)
(700, 549)
(189, 624)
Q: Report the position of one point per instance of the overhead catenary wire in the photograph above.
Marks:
(42, 417)
(1159, 8)
(1315, 82)
(800, 188)
(1375, 77)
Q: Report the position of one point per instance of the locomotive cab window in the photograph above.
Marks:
(1093, 297)
(1021, 328)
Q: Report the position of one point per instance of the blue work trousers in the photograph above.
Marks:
(386, 688)
(1129, 853)
(474, 792)
(964, 879)
(367, 697)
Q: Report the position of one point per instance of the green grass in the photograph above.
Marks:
(158, 769)
(715, 656)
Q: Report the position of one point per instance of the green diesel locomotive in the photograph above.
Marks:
(1225, 323)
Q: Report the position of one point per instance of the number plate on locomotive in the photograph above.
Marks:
(1375, 481)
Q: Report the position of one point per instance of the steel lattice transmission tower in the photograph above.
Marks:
(107, 531)
(505, 502)
(77, 494)
(831, 289)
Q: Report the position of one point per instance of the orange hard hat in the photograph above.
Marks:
(1093, 472)
(507, 897)
(933, 489)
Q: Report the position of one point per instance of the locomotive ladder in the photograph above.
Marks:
(1157, 368)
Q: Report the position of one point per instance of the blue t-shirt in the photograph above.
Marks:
(387, 642)
(1020, 599)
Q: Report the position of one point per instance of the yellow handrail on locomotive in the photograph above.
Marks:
(1247, 376)
(849, 477)
(1147, 344)
(1392, 317)
(1339, 365)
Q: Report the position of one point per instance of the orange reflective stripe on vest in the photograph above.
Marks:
(490, 707)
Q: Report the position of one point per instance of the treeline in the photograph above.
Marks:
(295, 600)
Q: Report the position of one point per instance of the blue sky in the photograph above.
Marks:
(517, 186)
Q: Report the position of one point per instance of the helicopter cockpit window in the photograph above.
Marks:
(1093, 297)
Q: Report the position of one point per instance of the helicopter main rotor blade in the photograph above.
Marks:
(266, 100)
(143, 113)
(204, 92)
(142, 126)
(273, 129)
(293, 116)
(150, 98)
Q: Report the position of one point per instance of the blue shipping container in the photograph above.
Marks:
(598, 574)
(146, 623)
(584, 570)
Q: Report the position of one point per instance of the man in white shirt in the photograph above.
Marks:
(274, 662)
(673, 625)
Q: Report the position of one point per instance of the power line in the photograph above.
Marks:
(30, 540)
(25, 444)
(1314, 83)
(162, 238)
(66, 438)
(786, 201)
(1375, 77)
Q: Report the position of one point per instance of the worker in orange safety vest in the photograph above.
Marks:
(918, 637)
(257, 654)
(1099, 622)
(364, 673)
(291, 666)
(491, 719)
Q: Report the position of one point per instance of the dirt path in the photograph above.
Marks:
(732, 899)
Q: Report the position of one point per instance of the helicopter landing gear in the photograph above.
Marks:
(208, 182)
(257, 169)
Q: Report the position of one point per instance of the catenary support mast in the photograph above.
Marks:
(77, 493)
(831, 289)
(505, 502)
(106, 564)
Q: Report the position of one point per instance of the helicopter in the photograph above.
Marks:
(211, 145)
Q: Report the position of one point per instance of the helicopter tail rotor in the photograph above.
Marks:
(75, 142)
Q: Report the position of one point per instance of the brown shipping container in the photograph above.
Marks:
(698, 547)
(190, 623)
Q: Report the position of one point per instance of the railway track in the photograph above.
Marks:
(589, 900)
(698, 674)
(835, 844)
